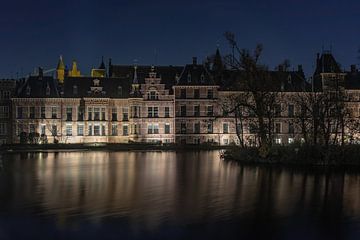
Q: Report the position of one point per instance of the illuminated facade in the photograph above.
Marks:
(167, 104)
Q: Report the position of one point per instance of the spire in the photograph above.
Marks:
(217, 64)
(74, 72)
(102, 65)
(61, 65)
(135, 80)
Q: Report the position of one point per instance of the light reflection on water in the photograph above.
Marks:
(148, 192)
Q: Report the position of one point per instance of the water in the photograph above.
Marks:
(168, 195)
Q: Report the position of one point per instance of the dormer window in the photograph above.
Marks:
(289, 79)
(28, 90)
(189, 78)
(202, 78)
(47, 90)
(119, 91)
(75, 90)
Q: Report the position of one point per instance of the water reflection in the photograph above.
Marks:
(155, 189)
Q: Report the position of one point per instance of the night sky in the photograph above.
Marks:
(164, 32)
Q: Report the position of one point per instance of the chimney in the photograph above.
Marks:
(194, 60)
(353, 68)
(300, 68)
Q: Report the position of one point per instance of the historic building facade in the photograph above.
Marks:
(163, 104)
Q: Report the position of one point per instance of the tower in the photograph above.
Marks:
(135, 83)
(74, 72)
(60, 70)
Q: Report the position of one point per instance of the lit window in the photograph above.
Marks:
(68, 130)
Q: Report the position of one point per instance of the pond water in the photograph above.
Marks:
(171, 195)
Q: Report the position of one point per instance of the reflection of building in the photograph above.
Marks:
(160, 103)
(7, 88)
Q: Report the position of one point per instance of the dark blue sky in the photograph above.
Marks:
(35, 33)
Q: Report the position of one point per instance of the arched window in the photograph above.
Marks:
(189, 77)
(119, 91)
(202, 78)
(28, 90)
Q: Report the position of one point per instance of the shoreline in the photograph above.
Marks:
(15, 148)
(334, 156)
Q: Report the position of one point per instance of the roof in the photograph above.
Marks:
(38, 87)
(168, 74)
(195, 74)
(76, 87)
(282, 81)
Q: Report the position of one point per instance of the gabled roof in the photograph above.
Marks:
(38, 87)
(195, 74)
(168, 74)
(77, 87)
(326, 64)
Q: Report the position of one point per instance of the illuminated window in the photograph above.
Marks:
(167, 128)
(96, 130)
(68, 130)
(114, 130)
(80, 130)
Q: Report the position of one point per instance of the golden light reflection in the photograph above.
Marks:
(150, 188)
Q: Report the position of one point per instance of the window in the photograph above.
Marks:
(210, 94)
(167, 112)
(125, 112)
(197, 127)
(68, 130)
(69, 114)
(96, 130)
(167, 128)
(183, 128)
(196, 93)
(114, 114)
(90, 109)
(277, 128)
(5, 94)
(210, 127)
(47, 90)
(153, 112)
(96, 113)
(125, 130)
(183, 110)
(182, 93)
(189, 78)
(90, 130)
(153, 129)
(103, 116)
(28, 90)
(135, 128)
(103, 130)
(135, 110)
(19, 112)
(197, 111)
(277, 140)
(114, 130)
(80, 130)
(31, 112)
(253, 128)
(80, 113)
(152, 95)
(42, 112)
(75, 90)
(43, 129)
(54, 130)
(225, 128)
(291, 110)
(4, 111)
(210, 111)
(202, 78)
(277, 110)
(3, 129)
(291, 128)
(53, 112)
(119, 91)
